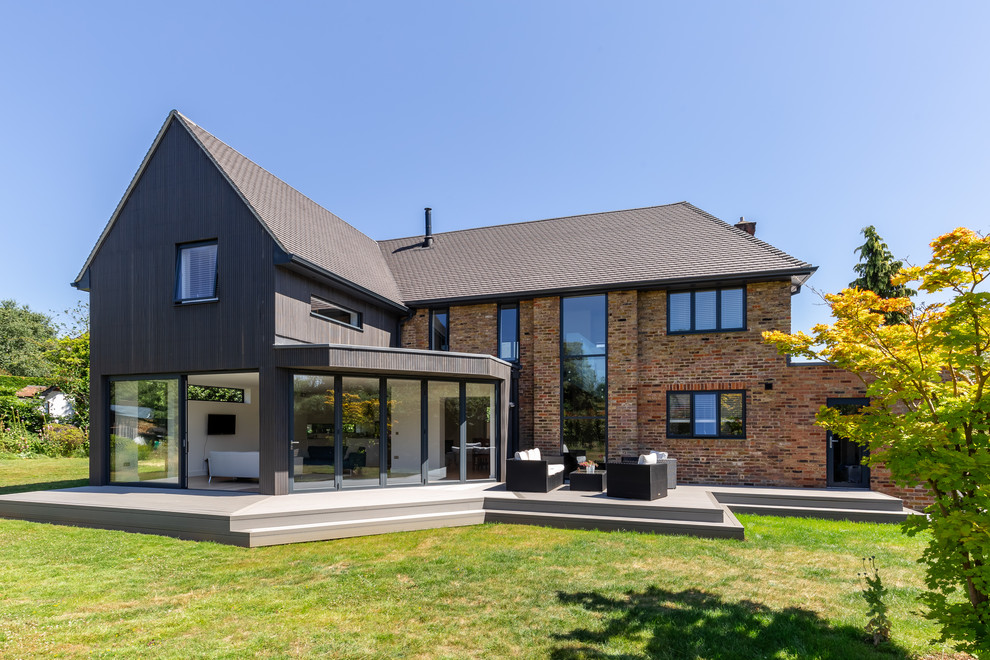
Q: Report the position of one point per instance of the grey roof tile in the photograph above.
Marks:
(659, 244)
(301, 226)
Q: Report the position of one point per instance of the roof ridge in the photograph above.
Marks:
(531, 222)
(263, 169)
(746, 234)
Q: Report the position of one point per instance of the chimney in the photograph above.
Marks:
(748, 226)
(428, 239)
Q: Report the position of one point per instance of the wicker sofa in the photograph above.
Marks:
(531, 472)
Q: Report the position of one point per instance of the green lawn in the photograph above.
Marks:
(789, 591)
(22, 474)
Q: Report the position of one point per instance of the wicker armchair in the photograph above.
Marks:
(529, 476)
(636, 482)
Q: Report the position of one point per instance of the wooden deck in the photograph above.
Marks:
(250, 519)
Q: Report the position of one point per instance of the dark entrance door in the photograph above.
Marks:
(844, 458)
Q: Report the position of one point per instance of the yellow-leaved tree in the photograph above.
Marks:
(929, 415)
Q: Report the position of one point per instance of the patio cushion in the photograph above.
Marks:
(661, 455)
(535, 454)
(647, 459)
(554, 469)
(519, 456)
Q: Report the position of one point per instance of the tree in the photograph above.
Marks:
(929, 416)
(876, 267)
(68, 357)
(24, 335)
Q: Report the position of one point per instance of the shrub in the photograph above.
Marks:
(65, 440)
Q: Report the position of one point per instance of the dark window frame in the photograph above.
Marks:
(564, 356)
(359, 325)
(718, 310)
(176, 297)
(433, 312)
(718, 411)
(498, 331)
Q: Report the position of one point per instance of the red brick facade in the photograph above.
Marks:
(782, 444)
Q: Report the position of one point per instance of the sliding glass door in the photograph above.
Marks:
(147, 431)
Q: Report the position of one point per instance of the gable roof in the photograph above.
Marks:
(306, 232)
(658, 245)
(655, 246)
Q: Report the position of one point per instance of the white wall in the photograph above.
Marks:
(245, 439)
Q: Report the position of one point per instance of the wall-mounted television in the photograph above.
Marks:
(221, 424)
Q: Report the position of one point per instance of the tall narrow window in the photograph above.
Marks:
(196, 272)
(439, 330)
(583, 364)
(508, 332)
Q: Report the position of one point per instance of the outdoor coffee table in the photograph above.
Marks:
(591, 481)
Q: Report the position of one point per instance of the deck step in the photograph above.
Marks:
(868, 501)
(608, 509)
(339, 514)
(828, 513)
(725, 529)
(339, 529)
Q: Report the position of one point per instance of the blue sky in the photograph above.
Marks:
(814, 119)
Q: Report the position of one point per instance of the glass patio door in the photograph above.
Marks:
(147, 431)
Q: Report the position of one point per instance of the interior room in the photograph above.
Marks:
(223, 428)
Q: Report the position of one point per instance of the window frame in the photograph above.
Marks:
(433, 312)
(718, 411)
(358, 316)
(718, 310)
(498, 331)
(179, 248)
(564, 357)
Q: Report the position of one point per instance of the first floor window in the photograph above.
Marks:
(196, 272)
(329, 311)
(439, 330)
(710, 414)
(706, 311)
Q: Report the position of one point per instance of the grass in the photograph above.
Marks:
(789, 591)
(24, 474)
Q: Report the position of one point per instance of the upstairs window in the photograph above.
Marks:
(196, 272)
(712, 310)
(328, 311)
(706, 414)
(508, 332)
(439, 330)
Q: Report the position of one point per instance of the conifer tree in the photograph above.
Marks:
(875, 268)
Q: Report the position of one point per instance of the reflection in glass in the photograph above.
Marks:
(313, 453)
(144, 431)
(583, 326)
(480, 450)
(583, 382)
(679, 413)
(443, 429)
(439, 330)
(403, 446)
(508, 332)
(731, 419)
(586, 436)
(360, 463)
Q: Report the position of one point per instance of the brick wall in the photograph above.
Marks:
(474, 329)
(416, 330)
(782, 444)
(526, 388)
(623, 373)
(546, 374)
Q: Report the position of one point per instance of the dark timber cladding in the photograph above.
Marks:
(181, 197)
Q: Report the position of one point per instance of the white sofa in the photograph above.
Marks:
(243, 464)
